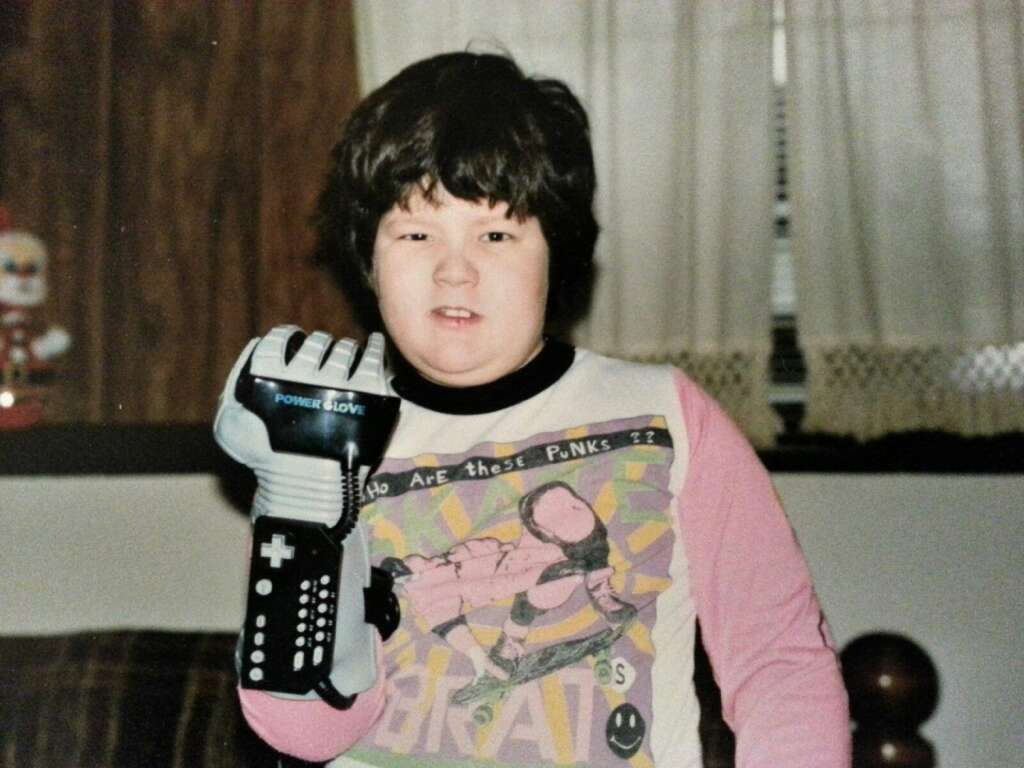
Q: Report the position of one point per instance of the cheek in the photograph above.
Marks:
(390, 284)
(540, 280)
(539, 293)
(396, 310)
(390, 302)
(526, 288)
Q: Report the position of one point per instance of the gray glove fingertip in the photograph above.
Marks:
(335, 370)
(236, 370)
(369, 375)
(268, 359)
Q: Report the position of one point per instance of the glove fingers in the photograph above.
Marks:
(305, 366)
(269, 358)
(336, 367)
(320, 363)
(369, 376)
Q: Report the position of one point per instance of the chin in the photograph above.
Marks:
(454, 378)
(448, 365)
(453, 367)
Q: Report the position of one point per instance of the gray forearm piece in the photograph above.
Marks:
(355, 662)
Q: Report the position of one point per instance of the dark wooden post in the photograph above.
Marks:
(894, 688)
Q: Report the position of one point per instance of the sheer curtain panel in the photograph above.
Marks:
(680, 99)
(907, 181)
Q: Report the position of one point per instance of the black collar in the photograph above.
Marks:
(541, 372)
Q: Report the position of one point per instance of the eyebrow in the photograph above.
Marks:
(401, 215)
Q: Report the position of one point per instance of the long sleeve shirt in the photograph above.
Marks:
(554, 543)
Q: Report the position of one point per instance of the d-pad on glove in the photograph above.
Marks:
(312, 429)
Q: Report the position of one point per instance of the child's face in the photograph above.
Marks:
(462, 288)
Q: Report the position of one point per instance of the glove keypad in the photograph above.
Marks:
(293, 598)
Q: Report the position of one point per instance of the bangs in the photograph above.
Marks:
(474, 154)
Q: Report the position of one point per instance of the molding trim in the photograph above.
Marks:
(90, 449)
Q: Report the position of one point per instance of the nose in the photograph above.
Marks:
(455, 266)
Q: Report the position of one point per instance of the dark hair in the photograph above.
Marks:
(477, 125)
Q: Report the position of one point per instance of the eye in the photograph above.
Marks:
(413, 237)
(498, 237)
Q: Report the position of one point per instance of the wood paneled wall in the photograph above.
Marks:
(170, 155)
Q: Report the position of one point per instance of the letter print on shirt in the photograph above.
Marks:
(527, 574)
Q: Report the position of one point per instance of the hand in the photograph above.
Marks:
(286, 429)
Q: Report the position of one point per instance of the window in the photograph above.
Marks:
(787, 365)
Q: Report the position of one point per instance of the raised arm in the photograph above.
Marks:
(312, 426)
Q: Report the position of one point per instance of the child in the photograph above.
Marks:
(556, 521)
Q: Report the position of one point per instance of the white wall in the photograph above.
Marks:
(940, 559)
(143, 551)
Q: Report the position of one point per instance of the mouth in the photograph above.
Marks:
(625, 747)
(455, 315)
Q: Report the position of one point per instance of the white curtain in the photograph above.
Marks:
(680, 99)
(906, 126)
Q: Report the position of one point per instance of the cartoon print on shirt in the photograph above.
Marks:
(563, 547)
(528, 573)
(625, 730)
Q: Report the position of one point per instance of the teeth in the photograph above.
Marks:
(456, 312)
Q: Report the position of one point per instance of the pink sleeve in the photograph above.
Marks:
(313, 730)
(770, 648)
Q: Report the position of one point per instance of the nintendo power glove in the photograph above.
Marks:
(312, 424)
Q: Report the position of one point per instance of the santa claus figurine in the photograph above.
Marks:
(27, 349)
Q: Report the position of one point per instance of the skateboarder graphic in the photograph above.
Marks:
(563, 547)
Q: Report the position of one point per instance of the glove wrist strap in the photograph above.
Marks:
(298, 496)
